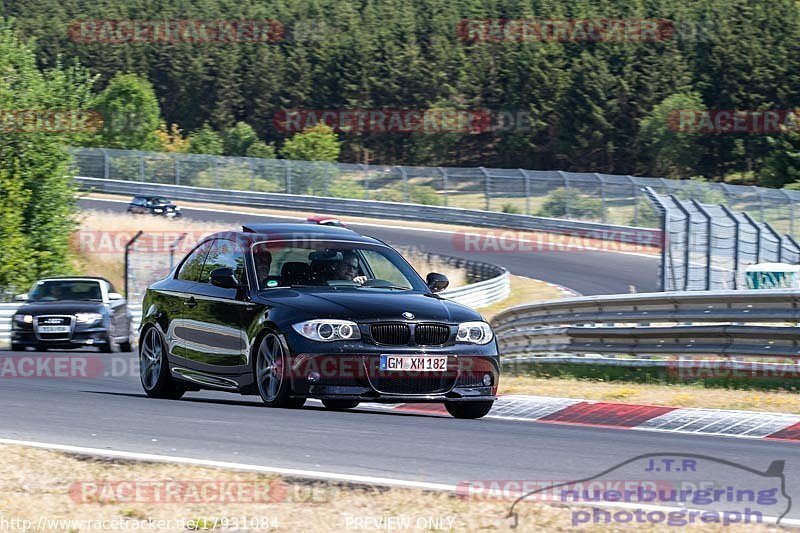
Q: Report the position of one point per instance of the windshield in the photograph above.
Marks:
(336, 264)
(158, 201)
(59, 290)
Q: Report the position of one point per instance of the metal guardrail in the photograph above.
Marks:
(588, 196)
(376, 209)
(656, 323)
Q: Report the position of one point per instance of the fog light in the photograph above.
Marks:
(313, 377)
(487, 379)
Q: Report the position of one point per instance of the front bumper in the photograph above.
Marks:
(358, 377)
(79, 337)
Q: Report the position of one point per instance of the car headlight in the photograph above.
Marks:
(158, 210)
(23, 319)
(328, 330)
(474, 333)
(88, 318)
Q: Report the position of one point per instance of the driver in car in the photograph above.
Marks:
(347, 268)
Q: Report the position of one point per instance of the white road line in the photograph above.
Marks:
(392, 226)
(290, 472)
(313, 474)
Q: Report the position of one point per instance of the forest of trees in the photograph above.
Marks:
(595, 106)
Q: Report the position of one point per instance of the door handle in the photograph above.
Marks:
(191, 302)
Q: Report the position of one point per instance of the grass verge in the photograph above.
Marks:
(44, 486)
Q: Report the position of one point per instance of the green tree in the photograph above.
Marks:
(262, 150)
(238, 139)
(131, 116)
(666, 137)
(318, 143)
(206, 140)
(36, 194)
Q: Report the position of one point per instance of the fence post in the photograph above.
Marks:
(635, 200)
(665, 254)
(758, 235)
(566, 192)
(791, 211)
(365, 170)
(127, 252)
(760, 202)
(686, 253)
(709, 253)
(106, 164)
(527, 186)
(445, 184)
(602, 197)
(487, 191)
(736, 257)
(404, 174)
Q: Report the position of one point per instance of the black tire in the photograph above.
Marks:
(469, 410)
(154, 373)
(340, 405)
(126, 346)
(109, 346)
(271, 374)
(17, 347)
(41, 348)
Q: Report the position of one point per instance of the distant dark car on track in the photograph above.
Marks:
(72, 312)
(153, 205)
(295, 311)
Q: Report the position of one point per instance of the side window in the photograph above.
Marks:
(224, 254)
(191, 268)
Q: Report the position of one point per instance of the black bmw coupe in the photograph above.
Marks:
(294, 311)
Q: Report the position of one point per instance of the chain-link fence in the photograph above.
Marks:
(708, 247)
(604, 198)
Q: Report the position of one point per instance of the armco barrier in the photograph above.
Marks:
(734, 323)
(376, 209)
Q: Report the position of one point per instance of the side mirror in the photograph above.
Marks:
(224, 277)
(115, 296)
(437, 282)
(21, 298)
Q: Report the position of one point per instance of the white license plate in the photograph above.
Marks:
(53, 329)
(171, 213)
(414, 363)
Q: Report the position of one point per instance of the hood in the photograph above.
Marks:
(66, 307)
(365, 305)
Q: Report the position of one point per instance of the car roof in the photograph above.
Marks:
(74, 278)
(288, 231)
